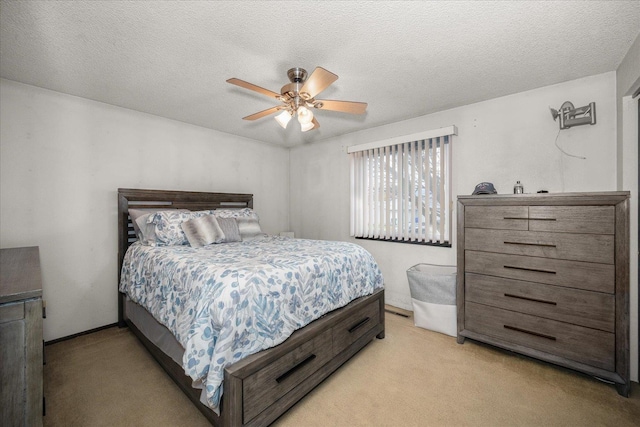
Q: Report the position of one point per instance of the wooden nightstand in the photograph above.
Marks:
(21, 353)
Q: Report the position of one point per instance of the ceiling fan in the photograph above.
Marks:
(298, 98)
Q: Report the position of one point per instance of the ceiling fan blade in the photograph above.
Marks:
(253, 87)
(343, 106)
(318, 81)
(316, 124)
(262, 113)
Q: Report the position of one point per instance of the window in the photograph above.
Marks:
(401, 189)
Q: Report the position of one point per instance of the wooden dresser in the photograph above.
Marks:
(21, 337)
(547, 276)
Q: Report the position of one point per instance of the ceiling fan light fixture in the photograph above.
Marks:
(283, 118)
(305, 115)
(306, 126)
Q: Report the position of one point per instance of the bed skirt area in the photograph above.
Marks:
(261, 387)
(159, 336)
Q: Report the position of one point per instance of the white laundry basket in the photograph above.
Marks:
(433, 296)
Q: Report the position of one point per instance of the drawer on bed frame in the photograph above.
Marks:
(262, 386)
(266, 386)
(356, 326)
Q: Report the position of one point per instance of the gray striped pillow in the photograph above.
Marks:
(203, 231)
(230, 229)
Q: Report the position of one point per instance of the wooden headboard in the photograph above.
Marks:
(140, 199)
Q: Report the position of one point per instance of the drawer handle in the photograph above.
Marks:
(531, 299)
(357, 325)
(546, 245)
(295, 368)
(529, 269)
(538, 334)
(514, 217)
(543, 219)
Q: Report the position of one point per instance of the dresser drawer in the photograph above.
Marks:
(584, 308)
(11, 312)
(578, 247)
(265, 387)
(573, 274)
(349, 330)
(573, 219)
(497, 217)
(584, 345)
(563, 219)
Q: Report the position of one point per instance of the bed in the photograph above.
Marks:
(256, 387)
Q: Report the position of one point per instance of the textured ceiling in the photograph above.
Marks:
(405, 59)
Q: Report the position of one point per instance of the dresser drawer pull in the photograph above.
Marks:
(295, 368)
(543, 219)
(357, 325)
(538, 334)
(529, 269)
(531, 299)
(514, 217)
(546, 245)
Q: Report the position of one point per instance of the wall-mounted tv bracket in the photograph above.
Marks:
(571, 116)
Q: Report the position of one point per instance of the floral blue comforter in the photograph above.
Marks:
(226, 301)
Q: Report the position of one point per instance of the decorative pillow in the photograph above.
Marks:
(146, 232)
(203, 231)
(167, 226)
(230, 229)
(236, 213)
(249, 228)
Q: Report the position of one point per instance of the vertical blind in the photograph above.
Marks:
(402, 191)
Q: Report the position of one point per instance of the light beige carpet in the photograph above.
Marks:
(413, 377)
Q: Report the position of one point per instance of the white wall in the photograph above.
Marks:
(628, 81)
(62, 159)
(500, 140)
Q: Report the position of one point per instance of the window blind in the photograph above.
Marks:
(402, 191)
